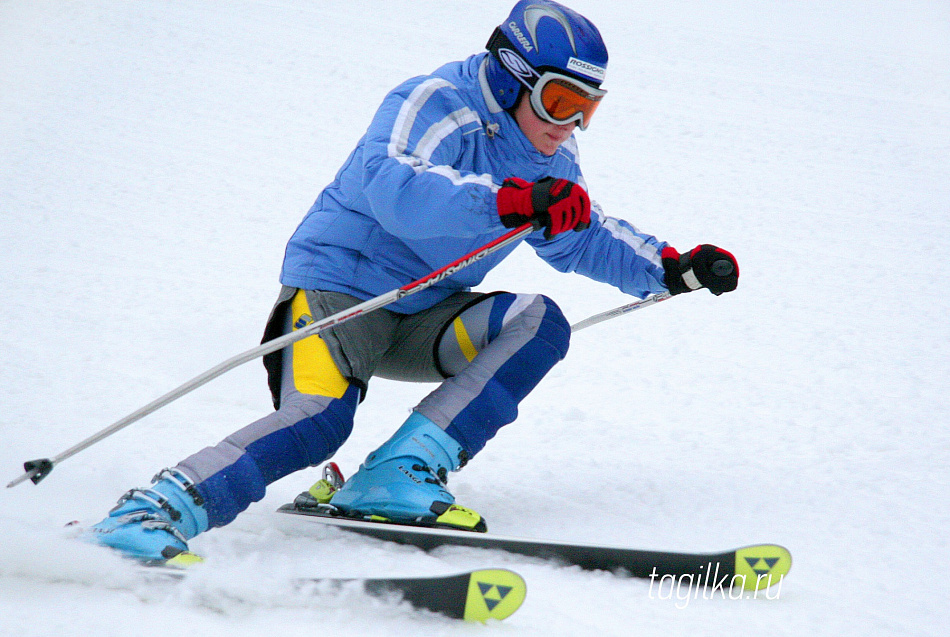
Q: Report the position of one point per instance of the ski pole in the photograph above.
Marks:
(36, 470)
(618, 311)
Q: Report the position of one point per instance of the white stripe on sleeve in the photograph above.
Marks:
(399, 141)
(624, 233)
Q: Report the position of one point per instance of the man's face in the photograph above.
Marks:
(545, 136)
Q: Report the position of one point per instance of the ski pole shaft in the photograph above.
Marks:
(618, 311)
(36, 470)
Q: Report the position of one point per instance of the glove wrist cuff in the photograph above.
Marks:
(687, 274)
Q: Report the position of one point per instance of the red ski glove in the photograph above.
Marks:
(705, 266)
(557, 205)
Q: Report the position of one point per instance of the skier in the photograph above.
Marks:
(449, 162)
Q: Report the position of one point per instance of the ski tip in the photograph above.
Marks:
(761, 566)
(493, 594)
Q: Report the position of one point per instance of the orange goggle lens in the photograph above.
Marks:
(562, 100)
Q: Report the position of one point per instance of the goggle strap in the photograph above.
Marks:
(499, 41)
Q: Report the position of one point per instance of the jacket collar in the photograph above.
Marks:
(503, 122)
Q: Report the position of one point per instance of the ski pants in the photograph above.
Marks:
(488, 351)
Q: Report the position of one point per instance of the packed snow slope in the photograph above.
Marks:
(155, 156)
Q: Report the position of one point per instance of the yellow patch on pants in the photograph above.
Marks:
(314, 369)
(464, 340)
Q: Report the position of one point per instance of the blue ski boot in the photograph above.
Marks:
(154, 525)
(404, 481)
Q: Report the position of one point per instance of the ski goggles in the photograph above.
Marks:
(560, 99)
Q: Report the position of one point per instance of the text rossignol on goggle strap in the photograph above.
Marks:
(554, 97)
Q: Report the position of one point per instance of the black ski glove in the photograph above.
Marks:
(705, 266)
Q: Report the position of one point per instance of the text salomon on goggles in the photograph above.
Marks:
(555, 97)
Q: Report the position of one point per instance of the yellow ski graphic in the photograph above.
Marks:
(761, 566)
(493, 594)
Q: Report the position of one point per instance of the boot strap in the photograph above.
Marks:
(182, 481)
(154, 498)
(152, 521)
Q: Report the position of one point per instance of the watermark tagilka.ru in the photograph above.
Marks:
(709, 585)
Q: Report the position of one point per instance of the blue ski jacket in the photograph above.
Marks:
(418, 192)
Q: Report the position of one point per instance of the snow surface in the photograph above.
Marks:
(156, 155)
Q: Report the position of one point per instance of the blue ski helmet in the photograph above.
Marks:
(543, 36)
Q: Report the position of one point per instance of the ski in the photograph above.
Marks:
(752, 568)
(475, 596)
